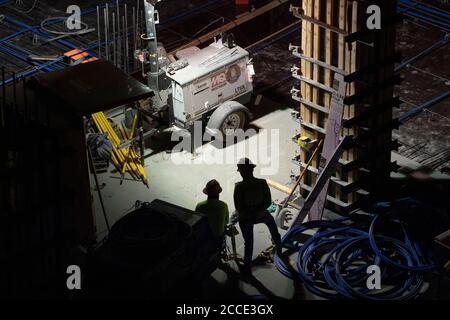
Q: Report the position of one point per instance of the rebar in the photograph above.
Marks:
(99, 34)
(127, 47)
(114, 38)
(134, 37)
(119, 36)
(106, 34)
(124, 46)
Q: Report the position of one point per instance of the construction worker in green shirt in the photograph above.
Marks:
(215, 210)
(252, 199)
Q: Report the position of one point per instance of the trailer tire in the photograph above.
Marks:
(231, 115)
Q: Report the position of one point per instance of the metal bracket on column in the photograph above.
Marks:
(298, 13)
(294, 71)
(294, 94)
(323, 178)
(294, 49)
(296, 97)
(395, 80)
(298, 53)
(296, 75)
(375, 67)
(371, 111)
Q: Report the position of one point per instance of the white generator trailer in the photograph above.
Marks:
(209, 85)
(215, 82)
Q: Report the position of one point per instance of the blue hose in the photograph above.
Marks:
(333, 263)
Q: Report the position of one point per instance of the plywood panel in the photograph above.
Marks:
(325, 24)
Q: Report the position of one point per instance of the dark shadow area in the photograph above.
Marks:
(166, 141)
(159, 251)
(160, 142)
(268, 104)
(231, 286)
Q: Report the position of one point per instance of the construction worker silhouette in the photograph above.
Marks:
(215, 210)
(251, 199)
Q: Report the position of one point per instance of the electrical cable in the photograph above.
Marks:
(333, 263)
(62, 33)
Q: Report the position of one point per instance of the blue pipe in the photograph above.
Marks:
(422, 54)
(413, 112)
(22, 50)
(67, 43)
(430, 20)
(61, 41)
(31, 28)
(18, 56)
(44, 34)
(439, 24)
(413, 6)
(51, 63)
(88, 11)
(14, 35)
(426, 8)
(407, 8)
(44, 66)
(84, 12)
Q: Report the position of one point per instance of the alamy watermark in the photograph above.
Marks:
(262, 147)
(73, 281)
(374, 19)
(373, 282)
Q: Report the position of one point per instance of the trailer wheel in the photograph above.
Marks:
(233, 121)
(229, 117)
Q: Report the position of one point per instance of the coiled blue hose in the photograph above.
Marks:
(333, 263)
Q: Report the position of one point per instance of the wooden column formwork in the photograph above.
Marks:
(335, 38)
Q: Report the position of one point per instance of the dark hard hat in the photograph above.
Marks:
(245, 163)
(212, 187)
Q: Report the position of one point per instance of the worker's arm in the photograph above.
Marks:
(238, 199)
(267, 197)
(226, 215)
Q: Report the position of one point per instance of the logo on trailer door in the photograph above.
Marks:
(230, 75)
(218, 80)
(233, 73)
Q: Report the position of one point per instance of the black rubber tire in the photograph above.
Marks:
(227, 109)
